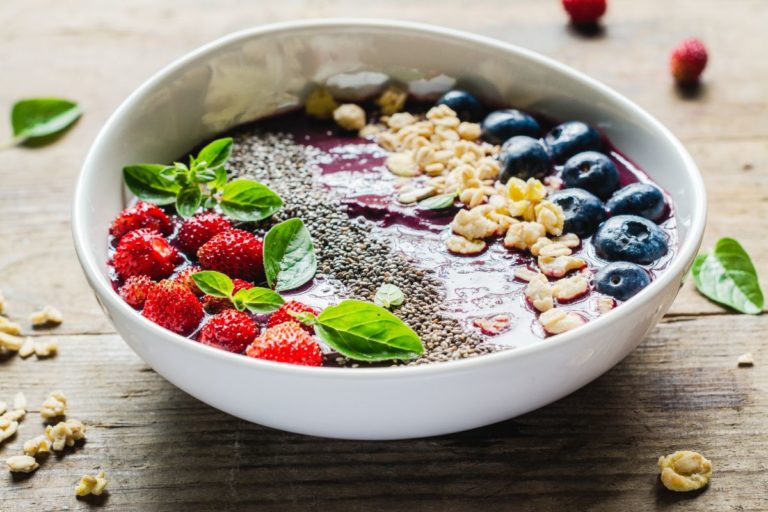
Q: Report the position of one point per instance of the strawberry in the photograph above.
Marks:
(194, 232)
(237, 253)
(230, 330)
(144, 252)
(185, 278)
(135, 290)
(585, 11)
(217, 304)
(283, 314)
(173, 306)
(286, 343)
(141, 215)
(688, 61)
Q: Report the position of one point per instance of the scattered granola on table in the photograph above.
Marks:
(47, 316)
(685, 471)
(54, 406)
(91, 484)
(22, 464)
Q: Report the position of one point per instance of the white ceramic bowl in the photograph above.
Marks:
(257, 72)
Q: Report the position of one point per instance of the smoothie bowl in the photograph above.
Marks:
(379, 230)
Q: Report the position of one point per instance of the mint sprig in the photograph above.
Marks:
(289, 255)
(256, 300)
(203, 182)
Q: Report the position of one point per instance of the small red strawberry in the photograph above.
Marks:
(185, 278)
(141, 215)
(688, 61)
(173, 306)
(237, 253)
(286, 343)
(283, 314)
(135, 290)
(585, 11)
(217, 304)
(144, 252)
(199, 229)
(230, 330)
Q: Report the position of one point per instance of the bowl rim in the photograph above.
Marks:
(105, 293)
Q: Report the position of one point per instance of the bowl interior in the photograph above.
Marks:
(256, 73)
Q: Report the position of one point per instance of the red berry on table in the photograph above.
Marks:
(217, 304)
(236, 253)
(144, 252)
(230, 330)
(135, 290)
(173, 306)
(585, 11)
(283, 314)
(185, 278)
(688, 61)
(194, 232)
(286, 343)
(141, 215)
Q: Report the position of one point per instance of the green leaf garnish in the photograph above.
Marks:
(249, 200)
(367, 332)
(150, 183)
(214, 283)
(388, 295)
(438, 202)
(727, 276)
(216, 153)
(257, 300)
(289, 255)
(189, 200)
(34, 119)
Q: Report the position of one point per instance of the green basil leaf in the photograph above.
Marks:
(366, 332)
(221, 178)
(36, 118)
(216, 153)
(188, 201)
(149, 183)
(303, 317)
(169, 172)
(249, 200)
(213, 283)
(257, 300)
(438, 202)
(727, 276)
(205, 175)
(289, 255)
(388, 295)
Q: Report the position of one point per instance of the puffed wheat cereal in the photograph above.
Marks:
(46, 348)
(460, 245)
(392, 100)
(570, 288)
(65, 433)
(539, 292)
(349, 116)
(685, 471)
(49, 315)
(9, 327)
(37, 445)
(745, 360)
(557, 321)
(54, 406)
(22, 464)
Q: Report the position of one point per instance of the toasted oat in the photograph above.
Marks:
(469, 131)
(349, 116)
(37, 445)
(459, 245)
(570, 240)
(745, 360)
(9, 327)
(65, 433)
(401, 120)
(10, 342)
(402, 164)
(46, 348)
(604, 304)
(49, 315)
(320, 103)
(392, 100)
(371, 130)
(493, 325)
(473, 225)
(523, 235)
(54, 406)
(22, 464)
(7, 429)
(526, 274)
(558, 266)
(554, 249)
(557, 321)
(91, 484)
(570, 288)
(409, 195)
(27, 347)
(551, 216)
(14, 415)
(685, 471)
(539, 292)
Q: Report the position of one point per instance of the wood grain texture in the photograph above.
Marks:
(594, 450)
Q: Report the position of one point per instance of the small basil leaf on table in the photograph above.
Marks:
(289, 255)
(367, 332)
(438, 202)
(257, 300)
(727, 276)
(213, 283)
(249, 201)
(150, 182)
(36, 118)
(188, 201)
(388, 295)
(216, 153)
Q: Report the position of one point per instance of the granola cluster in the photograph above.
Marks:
(685, 471)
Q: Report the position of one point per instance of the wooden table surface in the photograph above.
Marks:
(594, 450)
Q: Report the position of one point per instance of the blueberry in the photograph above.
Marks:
(464, 104)
(524, 157)
(592, 171)
(630, 238)
(501, 125)
(567, 139)
(583, 211)
(621, 280)
(641, 199)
